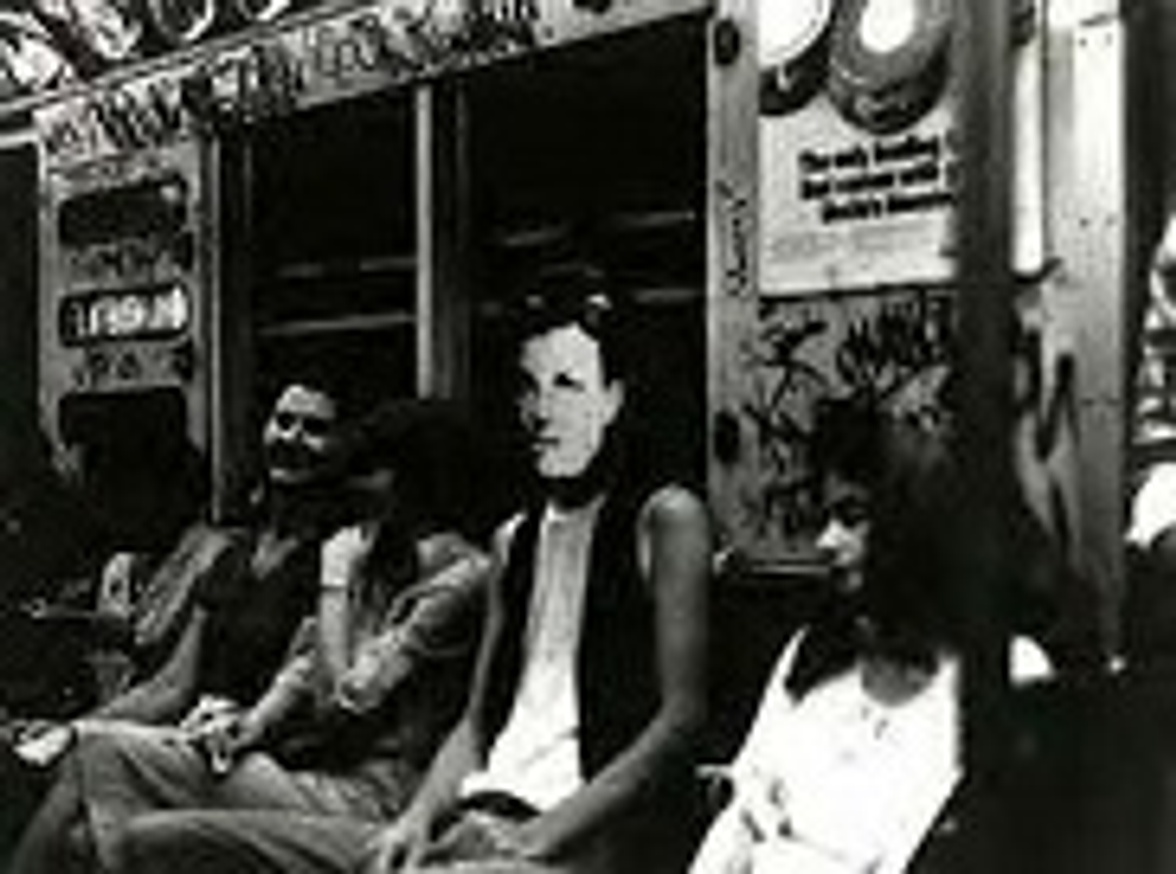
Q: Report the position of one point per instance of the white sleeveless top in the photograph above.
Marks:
(536, 756)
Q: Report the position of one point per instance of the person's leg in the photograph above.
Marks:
(472, 843)
(123, 770)
(49, 843)
(23, 788)
(282, 842)
(497, 866)
(127, 773)
(259, 781)
(244, 842)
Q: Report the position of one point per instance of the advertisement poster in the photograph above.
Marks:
(844, 208)
(859, 145)
(858, 150)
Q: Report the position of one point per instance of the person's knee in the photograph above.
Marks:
(102, 747)
(155, 842)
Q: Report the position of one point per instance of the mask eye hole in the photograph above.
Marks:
(850, 510)
(312, 426)
(315, 427)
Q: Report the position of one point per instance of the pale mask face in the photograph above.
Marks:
(843, 540)
(300, 436)
(566, 403)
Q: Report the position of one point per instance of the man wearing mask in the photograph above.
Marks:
(578, 739)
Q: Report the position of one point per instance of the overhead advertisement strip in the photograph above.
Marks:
(313, 58)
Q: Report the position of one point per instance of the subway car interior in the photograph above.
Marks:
(360, 189)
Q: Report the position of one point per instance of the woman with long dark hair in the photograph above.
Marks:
(854, 749)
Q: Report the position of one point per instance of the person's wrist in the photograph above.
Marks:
(359, 689)
(250, 733)
(346, 699)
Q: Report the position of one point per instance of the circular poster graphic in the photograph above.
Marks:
(888, 61)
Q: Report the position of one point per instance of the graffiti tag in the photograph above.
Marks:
(349, 54)
(1046, 416)
(891, 350)
(882, 352)
(737, 226)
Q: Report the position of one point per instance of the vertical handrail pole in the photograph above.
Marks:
(983, 57)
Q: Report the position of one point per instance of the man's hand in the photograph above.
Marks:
(400, 847)
(224, 735)
(210, 710)
(479, 836)
(528, 840)
(244, 735)
(358, 690)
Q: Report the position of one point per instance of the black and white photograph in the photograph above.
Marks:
(587, 436)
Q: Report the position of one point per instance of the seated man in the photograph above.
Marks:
(245, 611)
(578, 738)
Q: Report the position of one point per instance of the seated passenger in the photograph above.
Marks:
(350, 724)
(246, 610)
(1150, 617)
(854, 748)
(578, 737)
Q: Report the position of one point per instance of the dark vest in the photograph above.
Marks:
(616, 658)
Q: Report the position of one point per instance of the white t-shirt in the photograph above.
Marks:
(838, 781)
(536, 756)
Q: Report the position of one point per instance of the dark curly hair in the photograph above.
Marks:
(438, 463)
(577, 293)
(906, 602)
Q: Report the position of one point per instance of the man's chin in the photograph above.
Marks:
(847, 582)
(559, 478)
(559, 469)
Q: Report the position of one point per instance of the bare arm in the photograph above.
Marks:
(343, 559)
(322, 643)
(676, 530)
(167, 694)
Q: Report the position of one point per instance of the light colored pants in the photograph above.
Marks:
(271, 842)
(118, 772)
